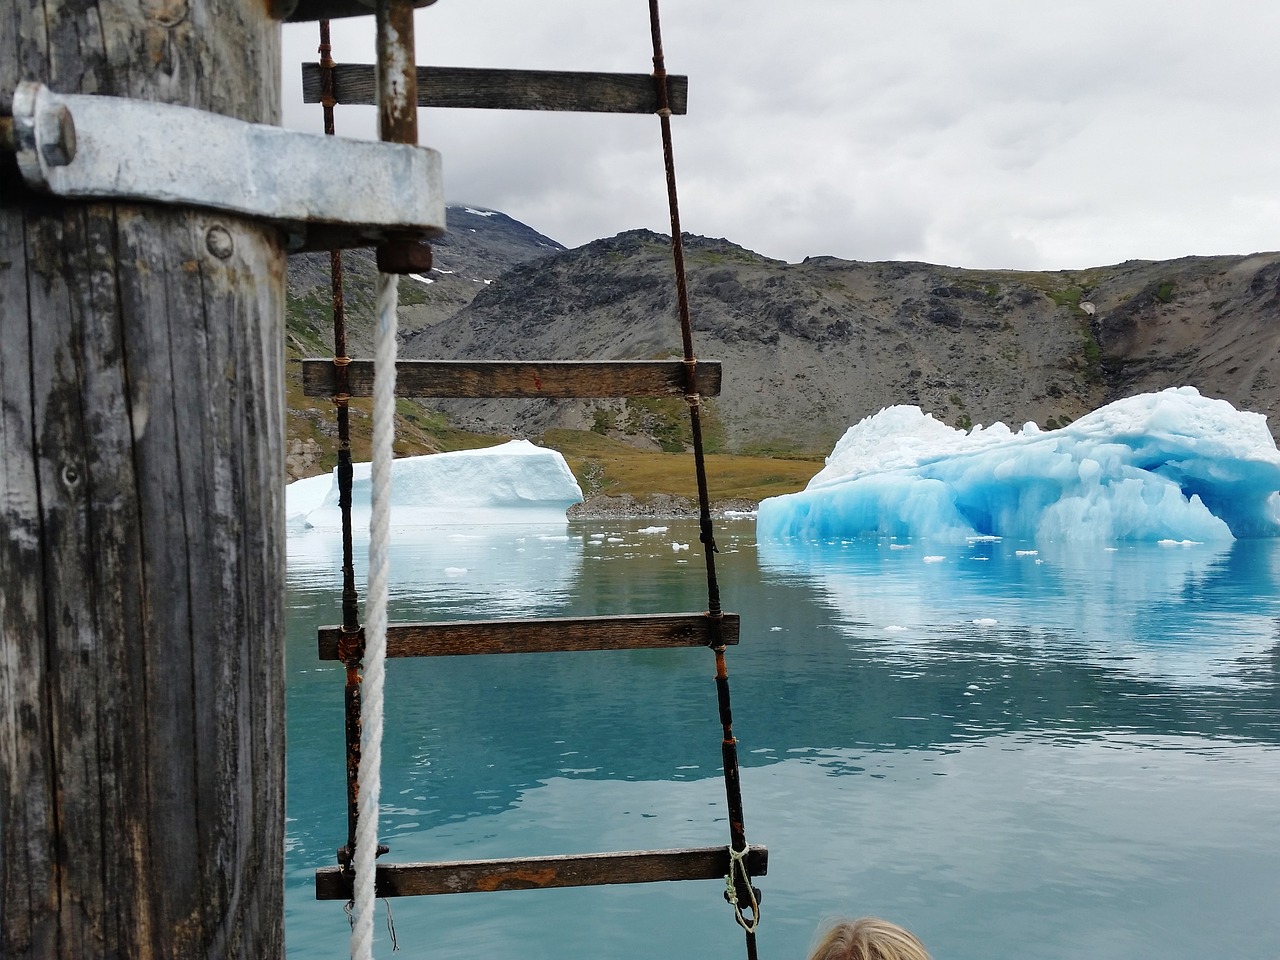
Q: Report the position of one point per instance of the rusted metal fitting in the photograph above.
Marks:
(403, 255)
(344, 855)
(351, 647)
(398, 119)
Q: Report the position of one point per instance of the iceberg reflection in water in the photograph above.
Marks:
(1057, 752)
(510, 570)
(1179, 612)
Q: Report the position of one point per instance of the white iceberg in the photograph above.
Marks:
(515, 482)
(1171, 465)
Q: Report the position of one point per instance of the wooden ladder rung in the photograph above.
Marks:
(465, 637)
(542, 873)
(489, 89)
(481, 379)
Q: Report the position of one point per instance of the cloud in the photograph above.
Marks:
(997, 133)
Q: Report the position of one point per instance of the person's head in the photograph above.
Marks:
(869, 938)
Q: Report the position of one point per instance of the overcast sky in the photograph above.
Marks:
(986, 133)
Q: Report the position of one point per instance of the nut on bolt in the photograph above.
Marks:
(56, 135)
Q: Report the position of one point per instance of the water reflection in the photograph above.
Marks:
(1181, 613)
(448, 572)
(1074, 750)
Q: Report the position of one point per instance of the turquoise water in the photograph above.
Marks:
(1053, 754)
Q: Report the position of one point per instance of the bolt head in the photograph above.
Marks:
(218, 241)
(56, 135)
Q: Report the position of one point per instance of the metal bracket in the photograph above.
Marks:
(112, 148)
(296, 11)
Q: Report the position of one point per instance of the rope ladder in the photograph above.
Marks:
(401, 88)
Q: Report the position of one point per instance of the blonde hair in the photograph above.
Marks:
(869, 938)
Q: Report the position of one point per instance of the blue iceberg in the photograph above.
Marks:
(1171, 465)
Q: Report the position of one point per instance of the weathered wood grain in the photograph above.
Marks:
(28, 928)
(486, 89)
(549, 635)
(141, 565)
(554, 379)
(543, 873)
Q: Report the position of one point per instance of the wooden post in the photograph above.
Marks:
(141, 527)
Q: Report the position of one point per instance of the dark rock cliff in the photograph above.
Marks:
(809, 348)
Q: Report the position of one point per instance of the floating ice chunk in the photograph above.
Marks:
(652, 530)
(934, 558)
(985, 622)
(679, 546)
(1169, 465)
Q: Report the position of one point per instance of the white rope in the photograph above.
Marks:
(375, 632)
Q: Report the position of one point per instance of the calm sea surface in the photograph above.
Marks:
(1057, 754)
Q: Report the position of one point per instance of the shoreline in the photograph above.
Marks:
(660, 506)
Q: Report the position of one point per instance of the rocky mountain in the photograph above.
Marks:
(481, 246)
(809, 348)
(812, 347)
